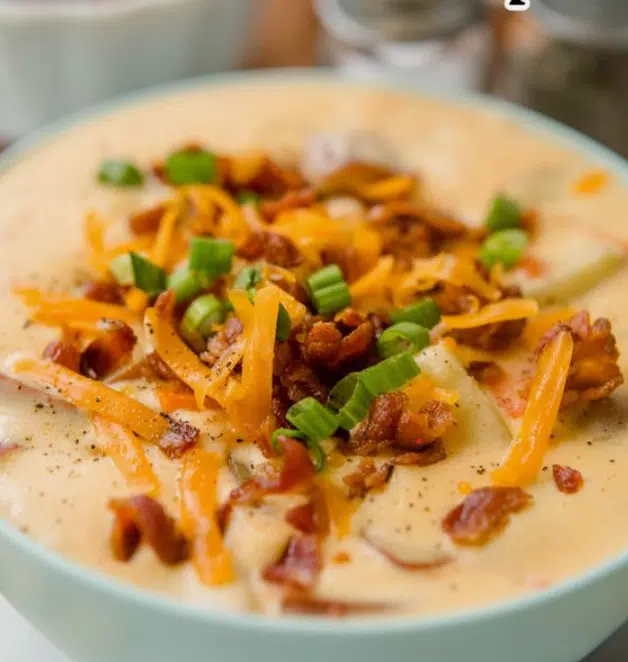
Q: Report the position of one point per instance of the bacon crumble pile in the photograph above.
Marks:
(295, 306)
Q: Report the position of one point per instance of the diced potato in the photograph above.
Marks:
(477, 416)
(572, 262)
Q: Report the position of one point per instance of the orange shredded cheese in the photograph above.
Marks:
(295, 309)
(243, 168)
(161, 333)
(465, 354)
(311, 231)
(592, 182)
(92, 396)
(94, 233)
(340, 508)
(391, 188)
(199, 503)
(164, 239)
(232, 223)
(127, 454)
(543, 322)
(249, 405)
(423, 388)
(501, 311)
(59, 311)
(525, 456)
(464, 487)
(172, 398)
(375, 281)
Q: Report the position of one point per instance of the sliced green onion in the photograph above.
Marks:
(283, 432)
(329, 275)
(185, 284)
(191, 167)
(118, 172)
(133, 269)
(425, 312)
(389, 374)
(284, 324)
(331, 299)
(211, 256)
(122, 270)
(351, 397)
(402, 337)
(506, 246)
(248, 198)
(504, 214)
(247, 279)
(312, 419)
(200, 317)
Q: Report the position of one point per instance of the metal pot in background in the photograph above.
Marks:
(442, 43)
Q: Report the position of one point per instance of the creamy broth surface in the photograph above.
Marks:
(56, 486)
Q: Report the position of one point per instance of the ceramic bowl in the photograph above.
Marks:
(94, 619)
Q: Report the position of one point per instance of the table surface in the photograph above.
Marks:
(20, 643)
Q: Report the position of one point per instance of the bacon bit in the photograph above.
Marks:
(296, 471)
(342, 558)
(464, 487)
(326, 345)
(103, 291)
(270, 209)
(532, 266)
(65, 352)
(142, 518)
(7, 448)
(147, 221)
(109, 351)
(568, 480)
(301, 602)
(538, 326)
(367, 477)
(483, 514)
(593, 372)
(592, 182)
(272, 247)
(299, 565)
(180, 438)
(431, 454)
(407, 563)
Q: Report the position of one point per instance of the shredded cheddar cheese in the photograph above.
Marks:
(375, 281)
(501, 311)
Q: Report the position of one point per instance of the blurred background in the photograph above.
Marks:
(564, 58)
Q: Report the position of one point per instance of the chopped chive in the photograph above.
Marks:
(329, 275)
(389, 374)
(506, 246)
(248, 198)
(332, 298)
(284, 324)
(191, 167)
(118, 172)
(200, 317)
(425, 312)
(211, 256)
(133, 269)
(504, 214)
(402, 337)
(312, 419)
(247, 279)
(185, 284)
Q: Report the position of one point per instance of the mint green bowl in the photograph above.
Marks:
(94, 619)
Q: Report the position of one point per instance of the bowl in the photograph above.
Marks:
(60, 56)
(93, 618)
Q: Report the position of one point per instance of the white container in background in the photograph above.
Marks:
(59, 56)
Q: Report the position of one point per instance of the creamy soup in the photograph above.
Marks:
(393, 554)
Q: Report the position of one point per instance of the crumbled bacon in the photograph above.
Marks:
(491, 336)
(65, 352)
(368, 476)
(143, 519)
(325, 344)
(427, 455)
(389, 424)
(312, 516)
(149, 367)
(147, 220)
(296, 471)
(109, 350)
(298, 566)
(275, 180)
(298, 379)
(568, 480)
(484, 513)
(270, 209)
(594, 373)
(272, 247)
(414, 560)
(218, 344)
(104, 291)
(180, 438)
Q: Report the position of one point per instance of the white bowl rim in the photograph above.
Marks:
(24, 12)
(314, 625)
